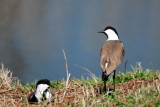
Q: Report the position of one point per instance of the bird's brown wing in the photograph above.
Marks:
(112, 53)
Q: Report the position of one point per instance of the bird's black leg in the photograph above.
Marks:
(104, 78)
(114, 79)
(104, 89)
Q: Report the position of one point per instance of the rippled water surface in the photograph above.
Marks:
(34, 32)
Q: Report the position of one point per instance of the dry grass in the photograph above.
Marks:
(5, 77)
(135, 92)
(9, 96)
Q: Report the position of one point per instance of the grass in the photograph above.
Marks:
(134, 88)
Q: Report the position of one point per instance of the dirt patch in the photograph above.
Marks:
(134, 85)
(73, 94)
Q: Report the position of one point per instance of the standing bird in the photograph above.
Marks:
(111, 55)
(42, 92)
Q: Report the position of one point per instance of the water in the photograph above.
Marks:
(34, 32)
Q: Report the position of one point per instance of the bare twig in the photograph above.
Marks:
(126, 66)
(140, 67)
(133, 68)
(91, 74)
(68, 74)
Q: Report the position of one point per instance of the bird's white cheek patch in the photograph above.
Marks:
(111, 35)
(40, 90)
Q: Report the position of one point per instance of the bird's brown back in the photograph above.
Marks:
(112, 52)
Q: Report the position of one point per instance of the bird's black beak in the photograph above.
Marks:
(101, 32)
(52, 86)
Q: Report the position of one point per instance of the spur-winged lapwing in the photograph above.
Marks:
(111, 55)
(42, 92)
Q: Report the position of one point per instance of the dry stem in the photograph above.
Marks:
(68, 74)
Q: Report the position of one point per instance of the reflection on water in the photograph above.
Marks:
(33, 34)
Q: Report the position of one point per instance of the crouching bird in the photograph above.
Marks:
(42, 92)
(111, 55)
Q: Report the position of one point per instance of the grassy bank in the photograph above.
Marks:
(134, 88)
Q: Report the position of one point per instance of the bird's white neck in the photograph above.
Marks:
(111, 35)
(40, 90)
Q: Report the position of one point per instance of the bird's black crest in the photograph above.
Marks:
(109, 27)
(43, 81)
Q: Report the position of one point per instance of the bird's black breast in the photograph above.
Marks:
(44, 95)
(32, 98)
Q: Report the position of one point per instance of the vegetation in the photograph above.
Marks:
(133, 88)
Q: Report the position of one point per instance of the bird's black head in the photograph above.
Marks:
(109, 28)
(44, 81)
